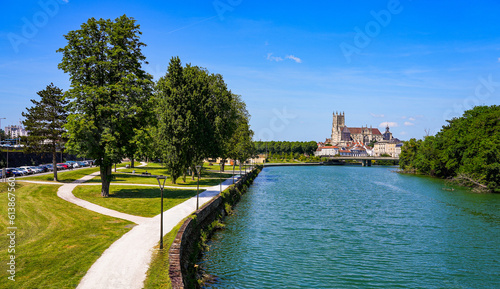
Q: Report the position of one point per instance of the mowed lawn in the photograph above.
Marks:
(56, 242)
(148, 180)
(135, 200)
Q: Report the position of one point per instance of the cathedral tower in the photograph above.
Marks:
(337, 126)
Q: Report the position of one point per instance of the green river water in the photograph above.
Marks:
(356, 227)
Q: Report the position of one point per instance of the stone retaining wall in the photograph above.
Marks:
(184, 245)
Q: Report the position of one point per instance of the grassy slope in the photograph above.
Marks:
(134, 200)
(157, 275)
(57, 241)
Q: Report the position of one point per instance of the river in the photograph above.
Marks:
(356, 227)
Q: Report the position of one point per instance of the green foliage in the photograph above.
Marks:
(45, 121)
(286, 147)
(58, 242)
(194, 116)
(467, 149)
(110, 92)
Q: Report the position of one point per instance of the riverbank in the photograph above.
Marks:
(194, 232)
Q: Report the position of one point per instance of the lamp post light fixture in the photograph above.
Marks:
(162, 186)
(198, 169)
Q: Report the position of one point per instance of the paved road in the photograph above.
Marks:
(125, 263)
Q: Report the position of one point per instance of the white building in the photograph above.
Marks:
(15, 131)
(327, 151)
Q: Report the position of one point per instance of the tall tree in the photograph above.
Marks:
(194, 116)
(110, 92)
(241, 145)
(45, 122)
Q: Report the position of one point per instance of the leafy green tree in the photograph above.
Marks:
(241, 143)
(45, 122)
(466, 149)
(110, 92)
(194, 116)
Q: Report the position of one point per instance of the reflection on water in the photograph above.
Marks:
(356, 227)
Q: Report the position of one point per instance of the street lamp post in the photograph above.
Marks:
(220, 175)
(162, 186)
(198, 168)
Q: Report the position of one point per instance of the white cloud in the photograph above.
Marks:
(407, 123)
(296, 59)
(388, 123)
(403, 133)
(498, 59)
(377, 115)
(411, 119)
(270, 57)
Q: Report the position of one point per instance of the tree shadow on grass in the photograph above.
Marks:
(151, 193)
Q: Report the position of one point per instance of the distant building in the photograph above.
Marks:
(341, 134)
(15, 131)
(391, 147)
(326, 151)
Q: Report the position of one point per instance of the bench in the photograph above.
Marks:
(145, 174)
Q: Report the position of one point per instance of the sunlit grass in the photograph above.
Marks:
(135, 200)
(56, 241)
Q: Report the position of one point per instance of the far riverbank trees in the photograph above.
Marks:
(467, 150)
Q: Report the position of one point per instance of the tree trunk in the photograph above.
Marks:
(193, 172)
(105, 180)
(132, 162)
(54, 163)
(222, 163)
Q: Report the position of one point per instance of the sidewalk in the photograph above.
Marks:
(125, 263)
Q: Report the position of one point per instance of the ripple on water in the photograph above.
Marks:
(354, 227)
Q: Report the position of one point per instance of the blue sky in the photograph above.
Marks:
(412, 64)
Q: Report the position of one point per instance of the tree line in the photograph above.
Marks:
(467, 149)
(114, 109)
(286, 147)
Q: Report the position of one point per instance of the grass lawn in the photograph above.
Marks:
(148, 180)
(134, 200)
(56, 241)
(66, 176)
(157, 275)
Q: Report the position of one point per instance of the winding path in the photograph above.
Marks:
(125, 263)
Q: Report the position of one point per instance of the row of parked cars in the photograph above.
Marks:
(30, 170)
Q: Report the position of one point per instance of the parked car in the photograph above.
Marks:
(12, 172)
(25, 170)
(36, 170)
(17, 172)
(81, 164)
(47, 167)
(74, 164)
(62, 166)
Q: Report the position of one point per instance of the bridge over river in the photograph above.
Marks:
(365, 161)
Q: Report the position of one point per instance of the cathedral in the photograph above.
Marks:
(341, 134)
